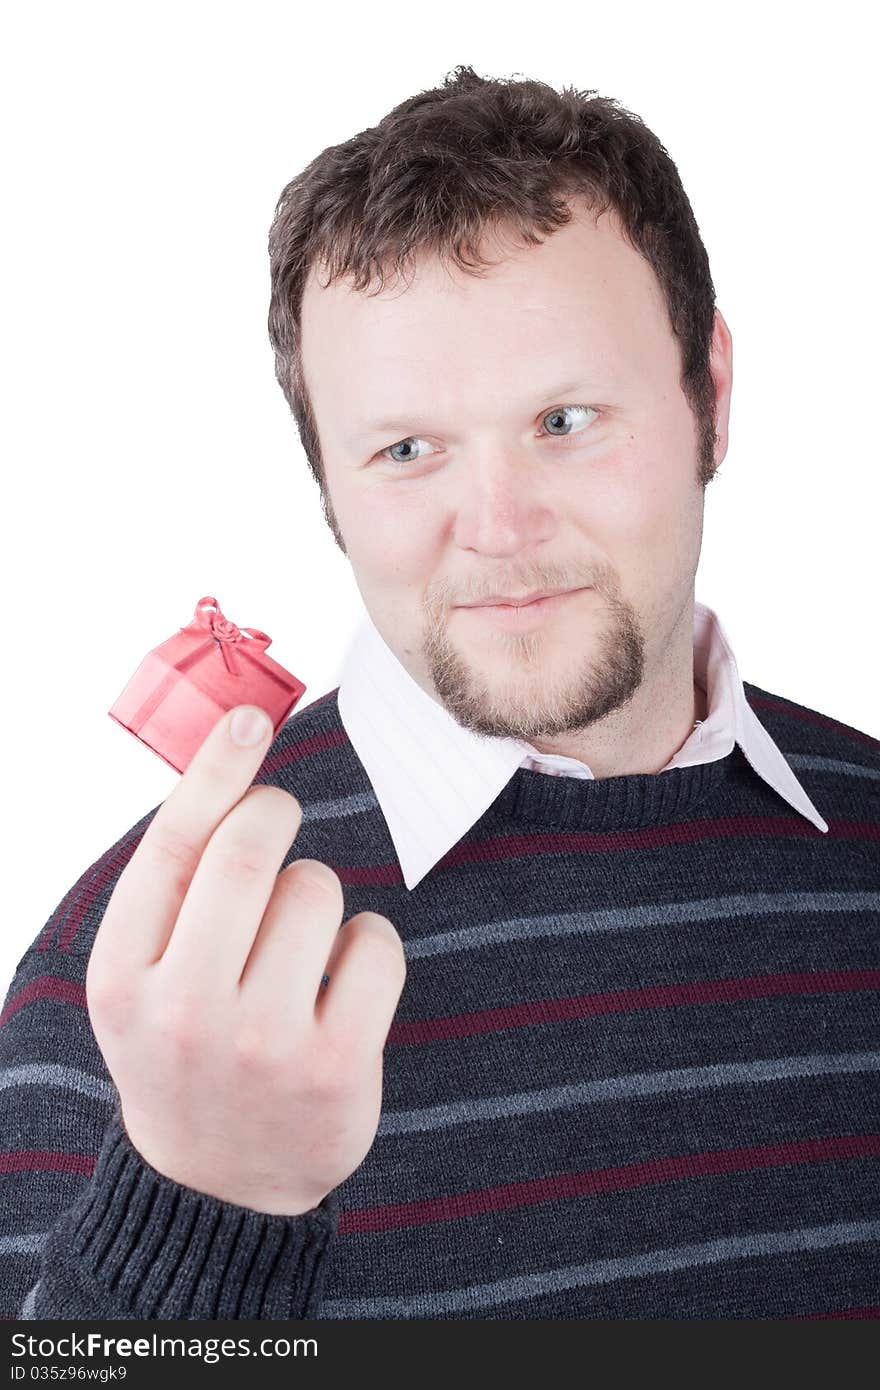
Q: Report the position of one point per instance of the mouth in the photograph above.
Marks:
(516, 615)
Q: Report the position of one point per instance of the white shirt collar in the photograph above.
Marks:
(434, 779)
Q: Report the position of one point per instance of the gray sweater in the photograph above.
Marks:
(633, 1071)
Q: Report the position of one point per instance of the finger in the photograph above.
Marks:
(230, 890)
(148, 894)
(366, 982)
(340, 941)
(289, 954)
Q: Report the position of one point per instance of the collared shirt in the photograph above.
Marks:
(434, 779)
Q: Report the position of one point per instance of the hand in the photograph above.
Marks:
(238, 1074)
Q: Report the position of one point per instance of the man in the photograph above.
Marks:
(633, 1068)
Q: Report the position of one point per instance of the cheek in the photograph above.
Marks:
(644, 509)
(626, 495)
(392, 533)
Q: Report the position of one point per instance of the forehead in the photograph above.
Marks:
(582, 300)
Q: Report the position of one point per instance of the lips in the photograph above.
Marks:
(510, 602)
(517, 616)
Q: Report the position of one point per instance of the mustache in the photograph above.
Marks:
(445, 596)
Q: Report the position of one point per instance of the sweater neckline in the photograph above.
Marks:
(614, 803)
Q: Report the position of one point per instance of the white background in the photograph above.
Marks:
(149, 454)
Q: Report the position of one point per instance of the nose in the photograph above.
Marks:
(503, 507)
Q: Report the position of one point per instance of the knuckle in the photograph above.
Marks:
(330, 1069)
(383, 936)
(99, 982)
(244, 843)
(171, 853)
(180, 1026)
(110, 1000)
(257, 1049)
(285, 803)
(239, 853)
(164, 851)
(313, 879)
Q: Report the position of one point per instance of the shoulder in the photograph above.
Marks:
(837, 764)
(798, 728)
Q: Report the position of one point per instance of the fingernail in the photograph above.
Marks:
(248, 725)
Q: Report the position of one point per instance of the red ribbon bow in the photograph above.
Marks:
(208, 615)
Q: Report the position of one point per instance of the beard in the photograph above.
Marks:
(527, 685)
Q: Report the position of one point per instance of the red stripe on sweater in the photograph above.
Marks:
(617, 1001)
(47, 1161)
(295, 752)
(811, 716)
(44, 940)
(537, 843)
(96, 874)
(562, 1187)
(540, 1011)
(533, 845)
(45, 987)
(598, 1181)
(108, 871)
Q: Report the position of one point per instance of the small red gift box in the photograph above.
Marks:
(186, 684)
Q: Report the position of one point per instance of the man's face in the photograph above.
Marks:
(517, 433)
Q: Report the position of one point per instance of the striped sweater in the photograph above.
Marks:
(633, 1072)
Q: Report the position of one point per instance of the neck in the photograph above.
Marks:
(646, 733)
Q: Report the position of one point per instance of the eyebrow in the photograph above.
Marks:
(388, 425)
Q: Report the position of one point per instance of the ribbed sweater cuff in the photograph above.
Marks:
(163, 1250)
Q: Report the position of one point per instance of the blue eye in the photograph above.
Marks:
(558, 414)
(401, 462)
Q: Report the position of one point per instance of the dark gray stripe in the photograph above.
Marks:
(833, 765)
(337, 808)
(30, 1244)
(552, 1098)
(340, 806)
(625, 917)
(67, 1078)
(483, 1296)
(623, 1087)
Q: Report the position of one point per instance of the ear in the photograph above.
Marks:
(721, 368)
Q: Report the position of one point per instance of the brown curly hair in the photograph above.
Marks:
(447, 164)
